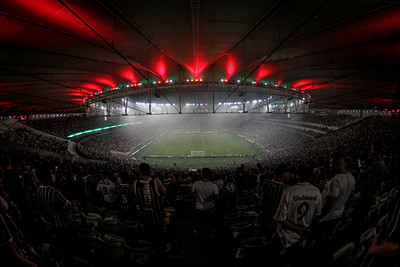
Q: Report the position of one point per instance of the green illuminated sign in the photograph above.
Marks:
(100, 129)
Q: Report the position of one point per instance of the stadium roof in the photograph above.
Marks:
(54, 53)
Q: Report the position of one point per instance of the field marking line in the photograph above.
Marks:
(166, 152)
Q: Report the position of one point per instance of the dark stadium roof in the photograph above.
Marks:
(55, 53)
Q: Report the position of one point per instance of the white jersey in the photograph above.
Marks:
(300, 204)
(339, 188)
(205, 192)
(107, 188)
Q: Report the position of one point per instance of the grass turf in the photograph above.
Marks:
(226, 149)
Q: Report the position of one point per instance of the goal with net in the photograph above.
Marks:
(199, 153)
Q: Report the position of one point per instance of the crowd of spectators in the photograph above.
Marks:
(120, 139)
(21, 173)
(27, 138)
(323, 120)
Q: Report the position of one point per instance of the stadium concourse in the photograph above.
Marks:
(87, 221)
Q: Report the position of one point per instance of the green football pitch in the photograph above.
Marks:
(197, 150)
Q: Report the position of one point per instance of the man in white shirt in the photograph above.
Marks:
(334, 198)
(206, 194)
(106, 188)
(299, 206)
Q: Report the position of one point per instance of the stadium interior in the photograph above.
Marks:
(93, 90)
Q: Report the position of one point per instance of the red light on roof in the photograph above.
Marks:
(159, 81)
(201, 79)
(196, 80)
(192, 80)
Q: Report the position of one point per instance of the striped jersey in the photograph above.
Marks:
(54, 205)
(9, 232)
(149, 200)
(271, 191)
(90, 183)
(125, 197)
(228, 197)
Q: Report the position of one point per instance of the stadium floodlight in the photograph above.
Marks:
(187, 80)
(170, 81)
(222, 80)
(154, 82)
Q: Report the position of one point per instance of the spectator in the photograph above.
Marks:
(55, 206)
(228, 196)
(149, 193)
(106, 188)
(218, 181)
(385, 249)
(57, 210)
(299, 206)
(270, 194)
(373, 177)
(334, 196)
(12, 252)
(206, 194)
(125, 199)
